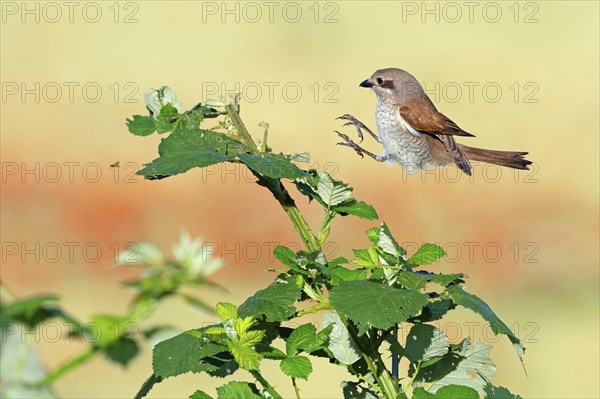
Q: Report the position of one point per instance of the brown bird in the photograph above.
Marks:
(415, 134)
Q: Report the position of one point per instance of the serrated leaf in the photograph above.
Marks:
(33, 310)
(122, 351)
(182, 354)
(273, 354)
(296, 367)
(301, 336)
(185, 149)
(342, 274)
(435, 310)
(353, 390)
(380, 305)
(272, 165)
(428, 253)
(237, 390)
(226, 311)
(493, 392)
(447, 392)
(163, 123)
(472, 302)
(285, 255)
(341, 346)
(200, 395)
(356, 208)
(474, 369)
(332, 192)
(425, 342)
(251, 338)
(333, 263)
(413, 281)
(276, 302)
(366, 257)
(245, 356)
(387, 243)
(373, 234)
(141, 125)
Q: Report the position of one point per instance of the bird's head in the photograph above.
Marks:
(393, 85)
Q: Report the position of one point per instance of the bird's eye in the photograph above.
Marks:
(379, 81)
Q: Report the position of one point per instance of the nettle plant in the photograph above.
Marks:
(362, 301)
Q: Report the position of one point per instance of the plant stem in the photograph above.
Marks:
(268, 387)
(296, 390)
(374, 363)
(313, 309)
(275, 186)
(68, 366)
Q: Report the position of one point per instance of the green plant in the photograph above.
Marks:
(117, 337)
(362, 301)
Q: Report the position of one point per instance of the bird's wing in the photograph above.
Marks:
(423, 117)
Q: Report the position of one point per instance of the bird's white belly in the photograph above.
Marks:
(399, 144)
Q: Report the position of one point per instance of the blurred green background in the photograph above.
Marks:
(520, 75)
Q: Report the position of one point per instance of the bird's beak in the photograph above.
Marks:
(366, 83)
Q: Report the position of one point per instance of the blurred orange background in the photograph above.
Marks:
(521, 76)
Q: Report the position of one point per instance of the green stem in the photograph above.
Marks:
(313, 309)
(275, 186)
(268, 387)
(68, 366)
(296, 390)
(374, 363)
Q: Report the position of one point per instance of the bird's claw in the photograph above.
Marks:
(349, 143)
(352, 121)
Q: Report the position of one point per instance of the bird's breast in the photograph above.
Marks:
(399, 143)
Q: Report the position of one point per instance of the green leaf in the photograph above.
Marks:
(354, 390)
(373, 234)
(492, 392)
(141, 125)
(412, 280)
(472, 302)
(474, 369)
(425, 342)
(200, 395)
(332, 192)
(122, 351)
(163, 123)
(428, 253)
(387, 242)
(147, 386)
(367, 302)
(276, 302)
(181, 354)
(418, 280)
(288, 258)
(227, 311)
(366, 257)
(447, 392)
(435, 310)
(360, 209)
(296, 367)
(342, 274)
(272, 165)
(302, 336)
(341, 346)
(34, 310)
(247, 358)
(237, 390)
(185, 149)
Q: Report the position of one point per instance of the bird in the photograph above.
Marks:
(414, 133)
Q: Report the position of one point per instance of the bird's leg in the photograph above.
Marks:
(352, 121)
(359, 150)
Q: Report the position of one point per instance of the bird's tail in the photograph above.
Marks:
(510, 159)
